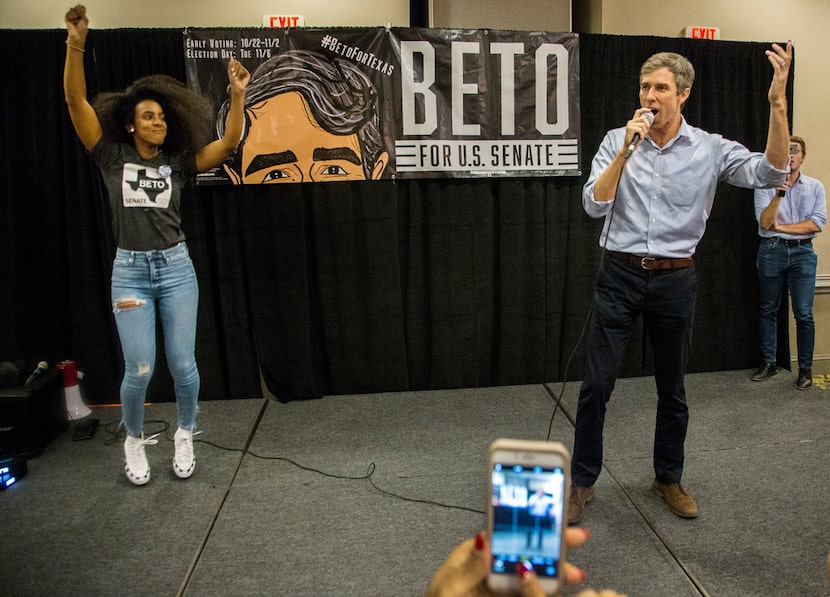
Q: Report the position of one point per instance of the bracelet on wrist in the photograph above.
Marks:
(74, 47)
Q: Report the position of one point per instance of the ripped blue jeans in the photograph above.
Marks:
(147, 285)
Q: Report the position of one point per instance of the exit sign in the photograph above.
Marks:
(280, 21)
(702, 32)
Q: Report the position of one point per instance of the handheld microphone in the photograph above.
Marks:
(41, 369)
(781, 192)
(633, 145)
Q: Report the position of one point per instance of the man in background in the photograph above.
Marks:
(789, 217)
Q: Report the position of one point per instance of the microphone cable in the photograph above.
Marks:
(117, 434)
(557, 398)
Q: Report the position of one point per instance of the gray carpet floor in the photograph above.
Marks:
(366, 495)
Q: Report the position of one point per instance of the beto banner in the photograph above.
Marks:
(374, 103)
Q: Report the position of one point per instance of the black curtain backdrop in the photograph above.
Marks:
(346, 288)
(419, 13)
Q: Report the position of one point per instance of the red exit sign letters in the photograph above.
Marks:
(281, 21)
(702, 32)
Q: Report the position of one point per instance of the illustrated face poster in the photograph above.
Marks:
(389, 103)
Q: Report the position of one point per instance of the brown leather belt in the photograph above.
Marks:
(651, 263)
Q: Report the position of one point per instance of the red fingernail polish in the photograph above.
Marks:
(523, 569)
(479, 541)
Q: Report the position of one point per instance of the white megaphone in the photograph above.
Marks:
(75, 407)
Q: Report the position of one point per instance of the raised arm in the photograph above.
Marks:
(216, 152)
(83, 116)
(778, 136)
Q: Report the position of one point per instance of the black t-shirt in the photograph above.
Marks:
(145, 195)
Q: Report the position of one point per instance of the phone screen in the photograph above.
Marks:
(528, 505)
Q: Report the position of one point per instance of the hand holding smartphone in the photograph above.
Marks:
(528, 489)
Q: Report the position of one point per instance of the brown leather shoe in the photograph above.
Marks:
(580, 496)
(678, 501)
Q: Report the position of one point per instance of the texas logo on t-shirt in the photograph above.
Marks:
(145, 187)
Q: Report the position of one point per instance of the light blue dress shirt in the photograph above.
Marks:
(805, 200)
(665, 195)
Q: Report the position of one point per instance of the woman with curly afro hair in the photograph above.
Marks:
(148, 142)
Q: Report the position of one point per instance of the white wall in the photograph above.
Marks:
(501, 14)
(110, 14)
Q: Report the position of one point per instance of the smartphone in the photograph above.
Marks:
(528, 488)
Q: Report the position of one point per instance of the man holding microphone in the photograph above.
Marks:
(654, 182)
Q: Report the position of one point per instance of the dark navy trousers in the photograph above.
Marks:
(665, 300)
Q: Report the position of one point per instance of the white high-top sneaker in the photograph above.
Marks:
(135, 460)
(183, 459)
